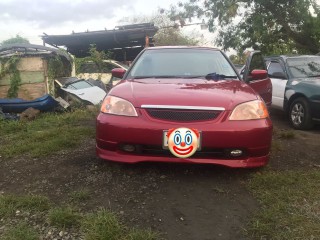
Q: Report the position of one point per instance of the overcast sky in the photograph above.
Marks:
(30, 19)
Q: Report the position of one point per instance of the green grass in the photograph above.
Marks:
(104, 225)
(64, 217)
(290, 205)
(79, 196)
(100, 225)
(9, 204)
(21, 232)
(286, 134)
(47, 134)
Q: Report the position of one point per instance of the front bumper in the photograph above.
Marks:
(218, 136)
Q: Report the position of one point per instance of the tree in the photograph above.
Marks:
(272, 26)
(16, 39)
(169, 33)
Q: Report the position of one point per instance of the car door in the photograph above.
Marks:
(279, 80)
(262, 86)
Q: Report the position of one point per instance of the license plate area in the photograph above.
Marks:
(165, 140)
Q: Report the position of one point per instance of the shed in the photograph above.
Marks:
(125, 42)
(37, 67)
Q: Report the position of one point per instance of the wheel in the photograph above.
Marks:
(299, 114)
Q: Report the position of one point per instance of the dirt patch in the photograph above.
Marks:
(181, 201)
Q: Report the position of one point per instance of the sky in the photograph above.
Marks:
(32, 18)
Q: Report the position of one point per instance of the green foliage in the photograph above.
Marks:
(64, 217)
(102, 225)
(290, 206)
(274, 26)
(80, 196)
(16, 39)
(9, 204)
(20, 232)
(42, 136)
(56, 69)
(95, 56)
(9, 67)
(169, 33)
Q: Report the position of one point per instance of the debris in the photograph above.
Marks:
(8, 116)
(62, 102)
(29, 115)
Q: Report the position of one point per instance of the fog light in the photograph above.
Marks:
(236, 153)
(128, 148)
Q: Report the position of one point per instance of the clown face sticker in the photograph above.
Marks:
(183, 142)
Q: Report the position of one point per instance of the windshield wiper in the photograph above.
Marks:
(215, 76)
(160, 76)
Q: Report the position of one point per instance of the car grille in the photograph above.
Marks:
(213, 153)
(183, 115)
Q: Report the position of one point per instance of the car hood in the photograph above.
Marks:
(311, 80)
(185, 92)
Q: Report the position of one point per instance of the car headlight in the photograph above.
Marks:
(118, 106)
(250, 110)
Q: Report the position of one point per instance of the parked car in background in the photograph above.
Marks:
(196, 88)
(90, 70)
(296, 88)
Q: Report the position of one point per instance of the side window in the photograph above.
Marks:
(275, 70)
(257, 63)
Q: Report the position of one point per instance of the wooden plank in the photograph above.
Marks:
(26, 91)
(30, 64)
(26, 77)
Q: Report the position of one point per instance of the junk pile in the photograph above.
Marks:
(34, 76)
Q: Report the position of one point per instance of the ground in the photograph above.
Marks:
(189, 202)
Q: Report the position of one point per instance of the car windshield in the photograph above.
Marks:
(304, 66)
(182, 63)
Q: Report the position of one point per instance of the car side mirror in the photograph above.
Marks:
(280, 75)
(118, 72)
(258, 75)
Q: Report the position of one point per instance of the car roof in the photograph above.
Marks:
(285, 57)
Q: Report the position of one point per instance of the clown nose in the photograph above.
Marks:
(182, 144)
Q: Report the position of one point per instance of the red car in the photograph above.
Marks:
(192, 89)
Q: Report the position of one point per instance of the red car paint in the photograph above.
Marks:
(218, 136)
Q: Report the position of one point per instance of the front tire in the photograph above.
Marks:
(299, 114)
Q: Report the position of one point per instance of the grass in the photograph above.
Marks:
(64, 217)
(9, 204)
(290, 205)
(47, 134)
(98, 225)
(79, 196)
(286, 134)
(104, 225)
(21, 232)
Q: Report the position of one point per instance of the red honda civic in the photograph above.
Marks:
(187, 105)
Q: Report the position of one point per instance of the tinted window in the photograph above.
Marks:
(181, 63)
(275, 67)
(304, 66)
(257, 62)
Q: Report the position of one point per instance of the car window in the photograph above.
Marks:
(79, 85)
(181, 63)
(275, 67)
(304, 66)
(257, 63)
